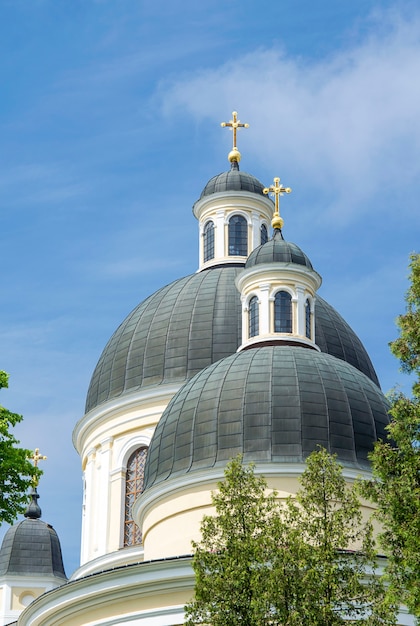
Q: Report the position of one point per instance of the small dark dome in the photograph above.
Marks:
(233, 180)
(272, 404)
(188, 325)
(32, 548)
(277, 250)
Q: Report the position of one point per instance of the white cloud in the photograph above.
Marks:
(349, 123)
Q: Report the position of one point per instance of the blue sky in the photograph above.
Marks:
(110, 116)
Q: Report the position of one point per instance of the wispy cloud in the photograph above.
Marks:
(349, 122)
(36, 184)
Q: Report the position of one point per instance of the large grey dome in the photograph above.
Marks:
(31, 548)
(272, 404)
(171, 336)
(278, 250)
(233, 180)
(188, 325)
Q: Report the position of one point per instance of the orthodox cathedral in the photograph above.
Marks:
(241, 357)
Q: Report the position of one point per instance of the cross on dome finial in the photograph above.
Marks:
(36, 457)
(278, 190)
(234, 124)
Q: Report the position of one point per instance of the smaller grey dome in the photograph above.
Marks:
(272, 404)
(277, 250)
(234, 180)
(32, 547)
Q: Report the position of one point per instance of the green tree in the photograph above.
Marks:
(340, 549)
(17, 473)
(260, 562)
(407, 347)
(230, 561)
(396, 463)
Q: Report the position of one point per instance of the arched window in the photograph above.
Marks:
(208, 243)
(283, 312)
(308, 319)
(238, 236)
(134, 481)
(264, 234)
(253, 317)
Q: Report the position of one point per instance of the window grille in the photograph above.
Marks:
(134, 482)
(238, 236)
(208, 241)
(283, 312)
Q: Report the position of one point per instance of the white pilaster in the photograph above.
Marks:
(219, 234)
(264, 317)
(105, 453)
(88, 519)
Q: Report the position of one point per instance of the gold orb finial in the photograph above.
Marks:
(234, 155)
(278, 190)
(234, 124)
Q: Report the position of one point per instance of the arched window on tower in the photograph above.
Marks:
(134, 482)
(283, 312)
(253, 317)
(308, 319)
(264, 234)
(238, 236)
(208, 243)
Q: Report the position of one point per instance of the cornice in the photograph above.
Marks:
(107, 588)
(100, 415)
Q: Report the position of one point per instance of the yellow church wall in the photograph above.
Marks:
(112, 419)
(173, 519)
(106, 610)
(18, 593)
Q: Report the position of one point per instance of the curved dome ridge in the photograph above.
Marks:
(233, 180)
(278, 250)
(271, 404)
(336, 337)
(170, 336)
(191, 323)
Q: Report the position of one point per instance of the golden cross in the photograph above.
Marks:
(234, 124)
(278, 191)
(36, 457)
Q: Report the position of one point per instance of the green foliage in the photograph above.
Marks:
(407, 347)
(262, 563)
(230, 562)
(395, 487)
(396, 491)
(17, 473)
(341, 549)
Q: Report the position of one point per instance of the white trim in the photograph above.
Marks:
(176, 485)
(132, 444)
(109, 587)
(101, 414)
(122, 557)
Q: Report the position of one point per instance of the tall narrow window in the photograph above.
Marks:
(308, 318)
(238, 236)
(134, 481)
(208, 241)
(253, 319)
(283, 312)
(264, 234)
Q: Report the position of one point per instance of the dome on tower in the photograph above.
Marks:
(271, 404)
(31, 547)
(191, 323)
(233, 180)
(278, 250)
